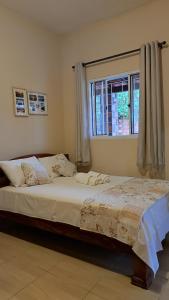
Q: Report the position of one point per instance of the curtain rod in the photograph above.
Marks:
(161, 45)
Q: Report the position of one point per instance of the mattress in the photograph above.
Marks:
(60, 201)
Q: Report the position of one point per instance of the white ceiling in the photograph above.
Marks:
(64, 16)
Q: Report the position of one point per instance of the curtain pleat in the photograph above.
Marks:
(150, 156)
(83, 156)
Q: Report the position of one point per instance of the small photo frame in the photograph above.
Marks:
(37, 103)
(20, 102)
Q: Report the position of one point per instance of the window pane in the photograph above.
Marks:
(135, 93)
(115, 105)
(118, 107)
(99, 108)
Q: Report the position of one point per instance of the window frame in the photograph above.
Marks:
(107, 78)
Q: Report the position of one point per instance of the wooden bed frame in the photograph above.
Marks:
(142, 274)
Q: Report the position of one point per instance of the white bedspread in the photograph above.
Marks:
(62, 201)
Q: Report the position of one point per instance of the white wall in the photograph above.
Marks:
(29, 58)
(128, 31)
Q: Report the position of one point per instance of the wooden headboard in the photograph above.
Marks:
(4, 181)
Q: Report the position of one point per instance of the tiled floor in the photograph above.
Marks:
(29, 271)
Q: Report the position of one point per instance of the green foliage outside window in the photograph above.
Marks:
(123, 101)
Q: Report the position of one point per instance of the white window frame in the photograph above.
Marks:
(107, 78)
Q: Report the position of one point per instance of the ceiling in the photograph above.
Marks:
(64, 16)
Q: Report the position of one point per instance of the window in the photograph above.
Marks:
(115, 105)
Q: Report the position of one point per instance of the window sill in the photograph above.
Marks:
(120, 137)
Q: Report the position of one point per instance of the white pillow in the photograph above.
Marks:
(13, 170)
(64, 166)
(49, 163)
(57, 165)
(35, 174)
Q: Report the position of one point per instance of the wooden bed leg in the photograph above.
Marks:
(143, 275)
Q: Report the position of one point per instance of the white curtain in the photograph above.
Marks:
(151, 158)
(83, 156)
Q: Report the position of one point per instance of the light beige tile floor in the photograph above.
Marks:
(31, 272)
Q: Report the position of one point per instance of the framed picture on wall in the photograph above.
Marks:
(20, 102)
(37, 103)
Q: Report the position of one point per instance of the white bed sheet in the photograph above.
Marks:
(62, 200)
(153, 229)
(59, 201)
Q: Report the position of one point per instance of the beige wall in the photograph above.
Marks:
(128, 31)
(38, 60)
(29, 58)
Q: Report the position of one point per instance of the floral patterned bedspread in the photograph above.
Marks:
(117, 212)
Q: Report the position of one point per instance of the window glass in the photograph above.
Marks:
(135, 93)
(115, 105)
(118, 107)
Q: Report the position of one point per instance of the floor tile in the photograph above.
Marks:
(164, 295)
(27, 265)
(32, 293)
(13, 279)
(118, 287)
(60, 288)
(15, 248)
(83, 274)
(91, 296)
(29, 271)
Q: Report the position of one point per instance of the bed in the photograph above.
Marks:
(56, 207)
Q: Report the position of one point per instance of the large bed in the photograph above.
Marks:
(57, 207)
